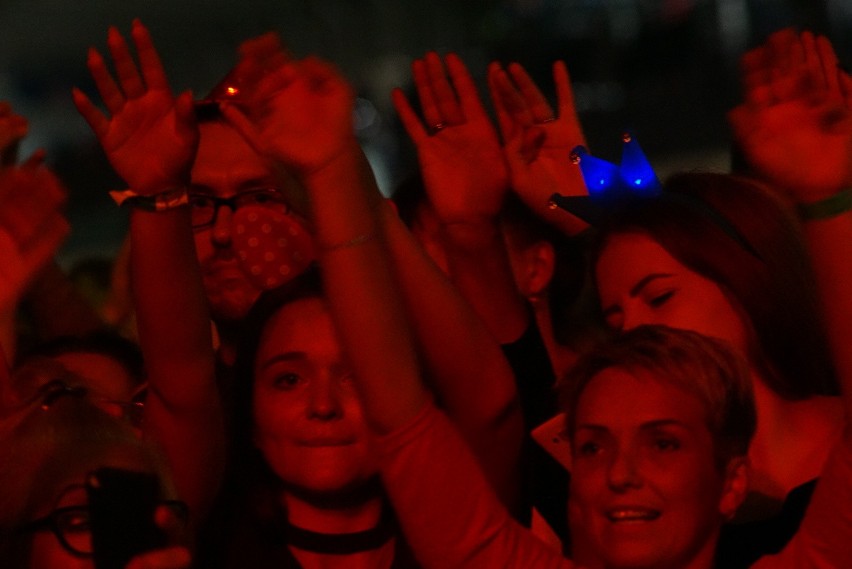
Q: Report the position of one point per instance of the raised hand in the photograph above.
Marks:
(795, 124)
(299, 113)
(460, 156)
(537, 141)
(149, 137)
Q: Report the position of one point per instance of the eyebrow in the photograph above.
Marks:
(644, 426)
(637, 288)
(285, 357)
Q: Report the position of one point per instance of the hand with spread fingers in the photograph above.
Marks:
(463, 167)
(149, 136)
(299, 112)
(537, 141)
(795, 123)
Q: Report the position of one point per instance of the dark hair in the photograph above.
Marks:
(102, 342)
(702, 366)
(738, 234)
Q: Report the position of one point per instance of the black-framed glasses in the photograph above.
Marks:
(71, 526)
(204, 208)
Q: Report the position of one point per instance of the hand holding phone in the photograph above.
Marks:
(122, 504)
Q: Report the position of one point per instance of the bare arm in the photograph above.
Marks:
(150, 140)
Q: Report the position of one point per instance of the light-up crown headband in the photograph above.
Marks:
(612, 186)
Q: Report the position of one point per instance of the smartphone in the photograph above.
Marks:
(121, 515)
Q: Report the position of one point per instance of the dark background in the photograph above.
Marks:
(664, 68)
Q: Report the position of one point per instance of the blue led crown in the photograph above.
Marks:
(607, 182)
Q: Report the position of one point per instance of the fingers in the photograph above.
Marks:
(410, 120)
(96, 119)
(243, 125)
(12, 129)
(512, 99)
(125, 67)
(445, 96)
(465, 87)
(149, 59)
(428, 102)
(110, 93)
(538, 106)
(504, 119)
(564, 91)
(185, 110)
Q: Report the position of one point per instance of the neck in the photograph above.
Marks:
(347, 516)
(793, 439)
(562, 358)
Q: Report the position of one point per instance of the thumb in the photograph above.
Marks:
(243, 125)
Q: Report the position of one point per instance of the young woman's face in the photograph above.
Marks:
(308, 421)
(645, 488)
(639, 282)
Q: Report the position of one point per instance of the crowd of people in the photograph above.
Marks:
(378, 374)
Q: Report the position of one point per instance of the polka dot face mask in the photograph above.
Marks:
(272, 247)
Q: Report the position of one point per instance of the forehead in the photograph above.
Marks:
(622, 401)
(302, 326)
(631, 253)
(225, 161)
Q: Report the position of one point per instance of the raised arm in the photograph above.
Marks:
(795, 129)
(150, 138)
(465, 177)
(32, 224)
(368, 311)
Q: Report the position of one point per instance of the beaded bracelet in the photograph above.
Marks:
(831, 206)
(162, 201)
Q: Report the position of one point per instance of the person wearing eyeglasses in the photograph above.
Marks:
(49, 446)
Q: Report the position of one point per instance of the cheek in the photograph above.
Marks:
(48, 553)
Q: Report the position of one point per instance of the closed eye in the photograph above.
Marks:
(661, 299)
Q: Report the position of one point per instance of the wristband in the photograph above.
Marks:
(354, 242)
(162, 201)
(831, 206)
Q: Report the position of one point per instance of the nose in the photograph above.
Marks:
(221, 230)
(634, 317)
(624, 470)
(325, 400)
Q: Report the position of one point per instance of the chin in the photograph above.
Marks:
(231, 305)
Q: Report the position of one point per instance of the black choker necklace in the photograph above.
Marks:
(340, 543)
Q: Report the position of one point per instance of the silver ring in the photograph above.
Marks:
(547, 120)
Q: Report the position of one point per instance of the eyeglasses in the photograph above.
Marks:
(205, 208)
(47, 394)
(70, 525)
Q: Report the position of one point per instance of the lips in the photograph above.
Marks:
(631, 514)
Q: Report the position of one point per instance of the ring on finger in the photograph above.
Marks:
(545, 121)
(437, 127)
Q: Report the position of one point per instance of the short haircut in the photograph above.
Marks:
(704, 367)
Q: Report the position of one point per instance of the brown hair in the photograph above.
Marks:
(747, 240)
(705, 367)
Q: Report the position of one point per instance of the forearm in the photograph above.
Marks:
(361, 290)
(480, 269)
(469, 372)
(172, 316)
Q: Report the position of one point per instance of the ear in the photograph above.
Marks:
(536, 270)
(735, 487)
